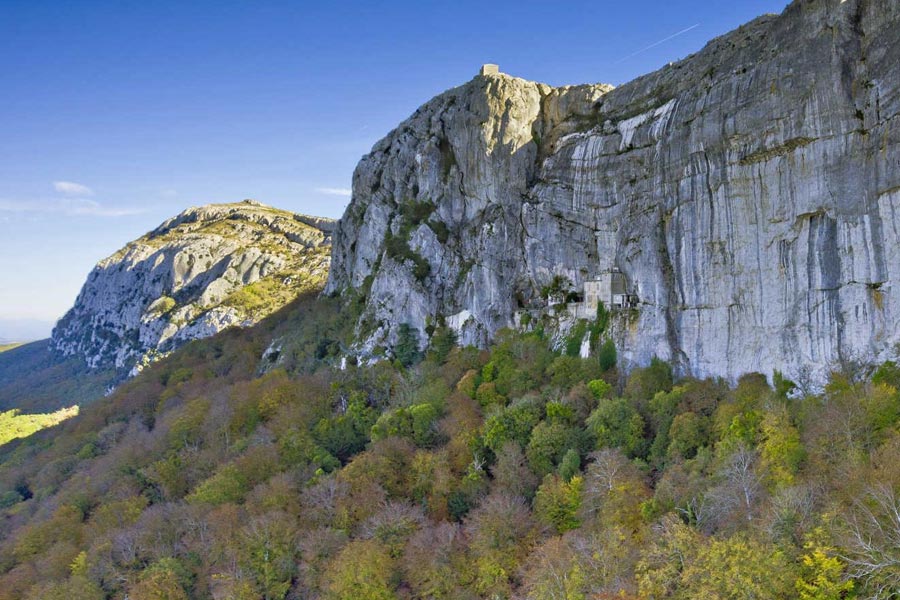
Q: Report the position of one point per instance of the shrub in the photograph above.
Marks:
(607, 355)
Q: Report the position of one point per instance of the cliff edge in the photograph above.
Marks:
(749, 195)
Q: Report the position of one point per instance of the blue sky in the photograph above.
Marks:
(117, 115)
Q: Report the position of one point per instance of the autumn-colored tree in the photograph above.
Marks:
(511, 472)
(363, 569)
(501, 531)
(393, 525)
(781, 451)
(822, 571)
(558, 503)
(871, 537)
(553, 572)
(614, 489)
(738, 567)
(432, 481)
(166, 579)
(672, 549)
(434, 562)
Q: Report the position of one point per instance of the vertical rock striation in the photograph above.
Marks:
(750, 193)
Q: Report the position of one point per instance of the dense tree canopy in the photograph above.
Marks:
(515, 471)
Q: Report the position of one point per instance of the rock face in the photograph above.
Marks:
(749, 193)
(206, 269)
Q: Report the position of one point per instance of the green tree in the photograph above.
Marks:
(645, 382)
(888, 373)
(600, 389)
(601, 321)
(686, 435)
(570, 464)
(513, 423)
(268, 543)
(487, 395)
(407, 348)
(442, 342)
(662, 409)
(347, 434)
(617, 424)
(607, 356)
(548, 443)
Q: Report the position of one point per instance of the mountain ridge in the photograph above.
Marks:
(745, 193)
(207, 268)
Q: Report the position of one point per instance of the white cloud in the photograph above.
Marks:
(89, 207)
(331, 191)
(66, 206)
(70, 188)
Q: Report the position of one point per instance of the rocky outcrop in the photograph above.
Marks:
(206, 269)
(749, 193)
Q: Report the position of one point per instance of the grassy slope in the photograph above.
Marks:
(14, 425)
(5, 347)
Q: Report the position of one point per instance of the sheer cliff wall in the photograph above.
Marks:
(749, 193)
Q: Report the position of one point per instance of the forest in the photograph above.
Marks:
(510, 472)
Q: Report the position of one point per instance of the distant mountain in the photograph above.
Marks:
(202, 271)
(24, 330)
(206, 269)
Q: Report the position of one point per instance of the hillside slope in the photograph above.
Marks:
(748, 193)
(200, 272)
(34, 379)
(512, 472)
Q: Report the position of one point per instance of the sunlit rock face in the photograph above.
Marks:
(749, 193)
(209, 268)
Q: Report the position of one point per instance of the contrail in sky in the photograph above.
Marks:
(655, 44)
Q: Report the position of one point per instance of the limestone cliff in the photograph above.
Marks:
(206, 269)
(750, 194)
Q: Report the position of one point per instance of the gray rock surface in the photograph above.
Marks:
(750, 193)
(206, 269)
